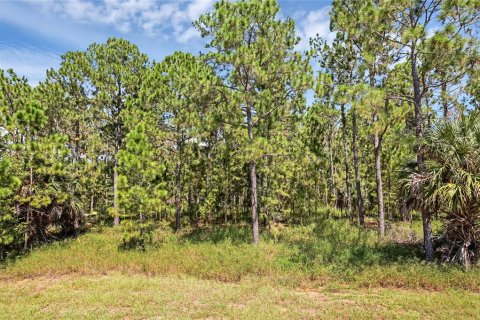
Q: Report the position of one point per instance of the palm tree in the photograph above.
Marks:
(451, 184)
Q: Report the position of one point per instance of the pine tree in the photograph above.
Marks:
(255, 52)
(141, 187)
(409, 23)
(180, 93)
(115, 71)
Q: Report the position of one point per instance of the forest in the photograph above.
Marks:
(255, 179)
(379, 126)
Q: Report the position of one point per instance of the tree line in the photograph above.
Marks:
(228, 136)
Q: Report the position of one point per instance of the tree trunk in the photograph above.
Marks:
(189, 202)
(116, 219)
(377, 146)
(317, 192)
(361, 218)
(92, 198)
(118, 141)
(29, 209)
(444, 96)
(348, 195)
(404, 212)
(253, 180)
(378, 177)
(417, 99)
(427, 235)
(26, 235)
(333, 190)
(178, 190)
(389, 200)
(76, 222)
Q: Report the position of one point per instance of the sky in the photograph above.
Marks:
(35, 33)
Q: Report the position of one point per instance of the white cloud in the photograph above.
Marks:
(313, 23)
(154, 18)
(177, 18)
(187, 35)
(151, 17)
(28, 17)
(27, 62)
(55, 26)
(198, 7)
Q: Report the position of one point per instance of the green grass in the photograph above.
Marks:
(330, 269)
(140, 297)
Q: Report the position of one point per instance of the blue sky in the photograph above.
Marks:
(34, 33)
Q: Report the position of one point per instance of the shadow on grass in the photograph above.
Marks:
(219, 233)
(328, 242)
(345, 246)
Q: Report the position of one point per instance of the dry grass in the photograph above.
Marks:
(326, 271)
(117, 296)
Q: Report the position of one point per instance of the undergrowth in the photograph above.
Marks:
(327, 253)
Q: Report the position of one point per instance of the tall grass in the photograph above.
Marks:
(327, 253)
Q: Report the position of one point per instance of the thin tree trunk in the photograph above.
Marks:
(389, 186)
(348, 199)
(27, 229)
(426, 219)
(378, 177)
(333, 192)
(404, 212)
(377, 146)
(189, 202)
(444, 97)
(226, 197)
(178, 188)
(92, 198)
(29, 209)
(253, 181)
(118, 142)
(361, 218)
(116, 219)
(76, 222)
(308, 203)
(253, 178)
(230, 204)
(317, 192)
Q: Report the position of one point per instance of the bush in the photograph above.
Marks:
(136, 234)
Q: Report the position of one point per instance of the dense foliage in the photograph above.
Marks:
(229, 136)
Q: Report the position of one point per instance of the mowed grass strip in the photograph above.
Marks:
(117, 296)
